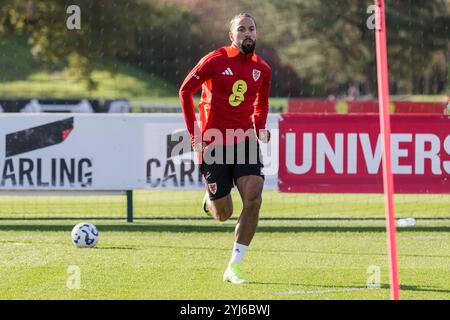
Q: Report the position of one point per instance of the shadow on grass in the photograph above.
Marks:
(180, 228)
(310, 288)
(197, 218)
(404, 287)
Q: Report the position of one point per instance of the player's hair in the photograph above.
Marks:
(240, 15)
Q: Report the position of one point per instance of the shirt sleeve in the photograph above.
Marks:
(202, 72)
(262, 104)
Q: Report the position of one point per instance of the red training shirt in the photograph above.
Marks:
(235, 92)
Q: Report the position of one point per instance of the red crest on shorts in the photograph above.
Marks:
(256, 74)
(212, 187)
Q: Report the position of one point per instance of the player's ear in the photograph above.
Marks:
(231, 36)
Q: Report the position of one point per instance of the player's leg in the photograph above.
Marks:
(250, 188)
(221, 209)
(218, 181)
(249, 181)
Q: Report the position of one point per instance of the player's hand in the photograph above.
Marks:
(264, 135)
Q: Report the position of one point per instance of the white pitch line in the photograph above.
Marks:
(291, 292)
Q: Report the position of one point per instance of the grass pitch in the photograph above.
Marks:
(309, 254)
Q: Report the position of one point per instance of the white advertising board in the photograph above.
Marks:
(105, 152)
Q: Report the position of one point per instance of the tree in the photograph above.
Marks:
(110, 29)
(315, 47)
(329, 42)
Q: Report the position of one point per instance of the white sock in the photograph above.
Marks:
(239, 251)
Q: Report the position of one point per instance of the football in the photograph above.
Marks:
(85, 235)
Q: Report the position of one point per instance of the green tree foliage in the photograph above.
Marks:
(419, 43)
(315, 47)
(330, 43)
(212, 25)
(320, 47)
(145, 34)
(99, 40)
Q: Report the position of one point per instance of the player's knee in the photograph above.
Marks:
(253, 204)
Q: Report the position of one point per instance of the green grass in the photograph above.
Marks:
(185, 204)
(21, 76)
(128, 83)
(185, 260)
(304, 251)
(16, 60)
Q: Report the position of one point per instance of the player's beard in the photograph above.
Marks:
(247, 46)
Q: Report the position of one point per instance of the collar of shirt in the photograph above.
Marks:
(234, 51)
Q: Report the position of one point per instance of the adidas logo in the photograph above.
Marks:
(228, 72)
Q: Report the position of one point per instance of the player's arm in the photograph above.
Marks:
(193, 82)
(262, 109)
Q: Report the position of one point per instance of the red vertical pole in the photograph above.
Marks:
(385, 126)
